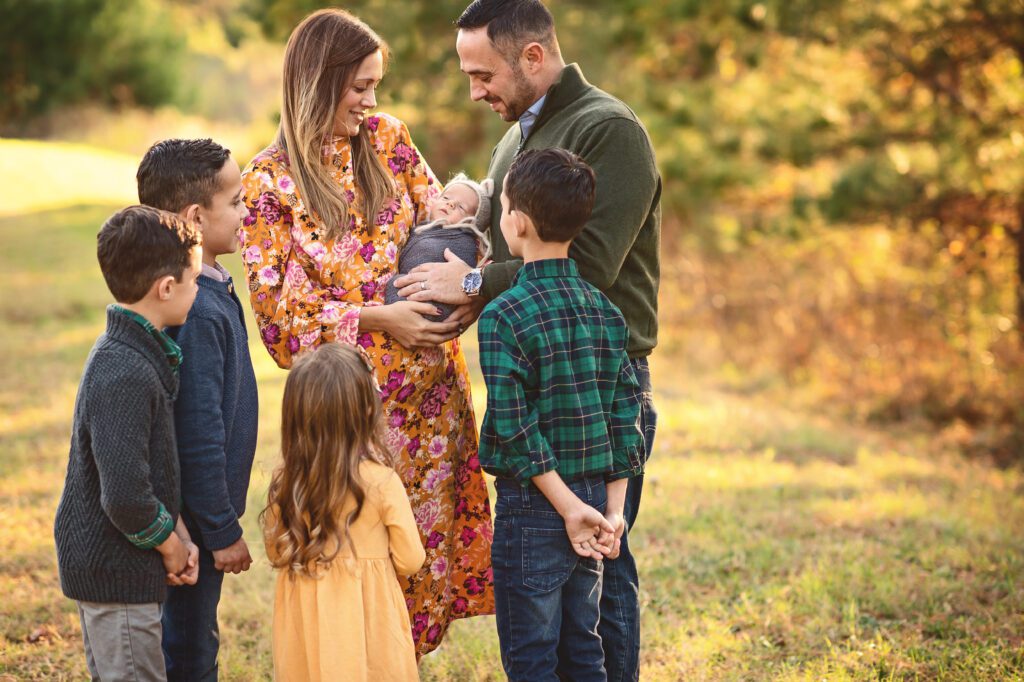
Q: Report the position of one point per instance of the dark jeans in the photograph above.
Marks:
(620, 598)
(546, 596)
(191, 636)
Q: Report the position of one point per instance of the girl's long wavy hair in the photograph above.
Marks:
(320, 63)
(331, 419)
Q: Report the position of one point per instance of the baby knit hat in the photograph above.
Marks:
(483, 190)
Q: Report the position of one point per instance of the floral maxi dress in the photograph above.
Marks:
(307, 290)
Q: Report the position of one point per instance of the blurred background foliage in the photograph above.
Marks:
(844, 181)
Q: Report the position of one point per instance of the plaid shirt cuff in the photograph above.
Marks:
(627, 465)
(153, 535)
(525, 471)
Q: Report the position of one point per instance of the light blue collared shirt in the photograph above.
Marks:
(529, 117)
(216, 272)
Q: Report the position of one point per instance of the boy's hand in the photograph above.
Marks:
(584, 525)
(588, 531)
(190, 574)
(174, 553)
(614, 539)
(234, 558)
(614, 513)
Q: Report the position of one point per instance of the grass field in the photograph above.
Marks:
(773, 544)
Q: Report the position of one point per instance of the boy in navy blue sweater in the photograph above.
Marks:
(216, 411)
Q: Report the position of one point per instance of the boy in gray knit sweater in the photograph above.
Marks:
(120, 540)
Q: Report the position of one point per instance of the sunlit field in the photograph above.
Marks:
(773, 544)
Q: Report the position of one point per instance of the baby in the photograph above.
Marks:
(457, 219)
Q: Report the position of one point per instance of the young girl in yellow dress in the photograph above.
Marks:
(338, 526)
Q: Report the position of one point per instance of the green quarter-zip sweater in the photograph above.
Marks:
(618, 250)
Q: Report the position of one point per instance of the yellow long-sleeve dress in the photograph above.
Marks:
(307, 290)
(351, 623)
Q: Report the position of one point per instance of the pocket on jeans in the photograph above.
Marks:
(548, 560)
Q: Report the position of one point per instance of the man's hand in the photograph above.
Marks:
(234, 558)
(439, 282)
(467, 313)
(585, 527)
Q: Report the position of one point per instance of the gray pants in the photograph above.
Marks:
(122, 642)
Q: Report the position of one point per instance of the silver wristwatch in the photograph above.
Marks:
(472, 282)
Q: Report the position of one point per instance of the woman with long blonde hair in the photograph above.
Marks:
(338, 526)
(331, 202)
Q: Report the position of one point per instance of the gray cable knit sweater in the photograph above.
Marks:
(123, 463)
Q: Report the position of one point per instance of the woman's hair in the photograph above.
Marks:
(330, 421)
(320, 63)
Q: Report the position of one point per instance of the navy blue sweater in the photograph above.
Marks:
(216, 415)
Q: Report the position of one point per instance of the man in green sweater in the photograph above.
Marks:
(509, 51)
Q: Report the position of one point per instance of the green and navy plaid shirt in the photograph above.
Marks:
(561, 393)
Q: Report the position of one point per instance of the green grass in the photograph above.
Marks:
(773, 544)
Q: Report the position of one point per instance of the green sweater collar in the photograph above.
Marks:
(570, 86)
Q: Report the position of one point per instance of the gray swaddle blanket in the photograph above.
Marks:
(426, 245)
(467, 239)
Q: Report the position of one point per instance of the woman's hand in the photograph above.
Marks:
(405, 321)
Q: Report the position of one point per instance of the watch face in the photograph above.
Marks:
(472, 281)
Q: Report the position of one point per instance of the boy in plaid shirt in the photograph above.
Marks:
(561, 432)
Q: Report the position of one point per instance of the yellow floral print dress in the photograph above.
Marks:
(307, 290)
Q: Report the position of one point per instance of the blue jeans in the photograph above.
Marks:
(620, 598)
(546, 596)
(191, 637)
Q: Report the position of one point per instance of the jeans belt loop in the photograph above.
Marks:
(524, 495)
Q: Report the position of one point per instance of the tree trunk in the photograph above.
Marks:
(1020, 272)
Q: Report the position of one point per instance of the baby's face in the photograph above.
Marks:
(454, 205)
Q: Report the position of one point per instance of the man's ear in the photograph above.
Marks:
(533, 56)
(192, 214)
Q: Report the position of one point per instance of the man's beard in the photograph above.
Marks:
(522, 96)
